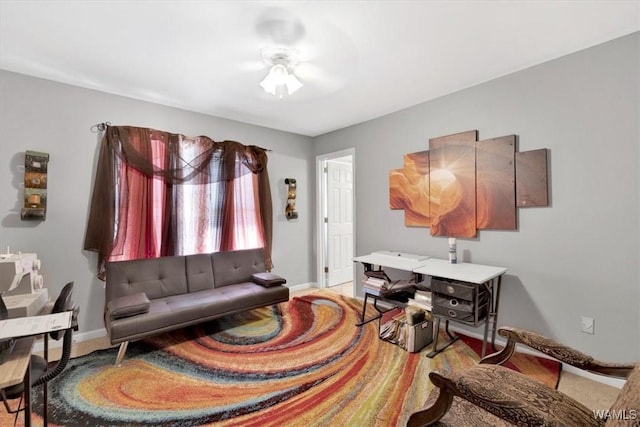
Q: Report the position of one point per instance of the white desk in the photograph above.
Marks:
(481, 275)
(464, 272)
(389, 259)
(397, 260)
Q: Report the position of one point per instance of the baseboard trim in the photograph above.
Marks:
(302, 286)
(77, 337)
(613, 382)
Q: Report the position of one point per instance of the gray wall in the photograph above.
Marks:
(577, 257)
(41, 115)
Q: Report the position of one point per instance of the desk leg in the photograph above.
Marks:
(27, 396)
(452, 338)
(488, 323)
(364, 310)
(495, 313)
(486, 335)
(436, 333)
(492, 317)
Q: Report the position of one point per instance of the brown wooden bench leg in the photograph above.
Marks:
(438, 409)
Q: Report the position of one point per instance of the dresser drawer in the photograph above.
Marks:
(446, 302)
(462, 310)
(460, 315)
(458, 303)
(459, 290)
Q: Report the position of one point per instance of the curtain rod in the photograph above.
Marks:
(101, 127)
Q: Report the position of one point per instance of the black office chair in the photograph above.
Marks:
(41, 373)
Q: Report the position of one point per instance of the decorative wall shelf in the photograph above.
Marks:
(290, 210)
(35, 186)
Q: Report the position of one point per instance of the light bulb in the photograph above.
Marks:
(280, 82)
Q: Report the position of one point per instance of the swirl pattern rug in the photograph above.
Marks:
(301, 363)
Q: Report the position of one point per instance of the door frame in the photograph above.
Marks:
(321, 190)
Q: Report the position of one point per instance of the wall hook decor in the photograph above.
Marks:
(35, 186)
(290, 210)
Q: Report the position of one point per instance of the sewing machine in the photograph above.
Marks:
(20, 284)
(21, 291)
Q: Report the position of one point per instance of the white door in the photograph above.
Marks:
(339, 222)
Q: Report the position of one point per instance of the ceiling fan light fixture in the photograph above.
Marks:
(280, 81)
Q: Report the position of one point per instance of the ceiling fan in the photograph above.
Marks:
(301, 57)
(281, 79)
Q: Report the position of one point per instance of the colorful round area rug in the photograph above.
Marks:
(300, 363)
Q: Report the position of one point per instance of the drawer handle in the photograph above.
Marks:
(453, 302)
(452, 313)
(451, 289)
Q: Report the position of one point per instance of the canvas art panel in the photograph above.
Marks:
(452, 186)
(531, 178)
(496, 181)
(409, 189)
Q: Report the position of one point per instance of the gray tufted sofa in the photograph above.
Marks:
(150, 296)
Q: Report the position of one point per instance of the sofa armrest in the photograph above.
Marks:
(556, 350)
(267, 279)
(128, 305)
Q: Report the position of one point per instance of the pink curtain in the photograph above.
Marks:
(141, 208)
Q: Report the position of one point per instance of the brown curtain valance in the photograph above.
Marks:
(205, 161)
(132, 145)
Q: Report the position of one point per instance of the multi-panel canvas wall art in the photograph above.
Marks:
(461, 184)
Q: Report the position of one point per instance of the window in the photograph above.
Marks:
(200, 231)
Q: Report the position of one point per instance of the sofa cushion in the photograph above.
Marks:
(156, 277)
(166, 314)
(199, 272)
(128, 305)
(237, 266)
(267, 279)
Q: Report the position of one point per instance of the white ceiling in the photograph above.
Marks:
(359, 59)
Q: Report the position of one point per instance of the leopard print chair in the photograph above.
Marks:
(491, 395)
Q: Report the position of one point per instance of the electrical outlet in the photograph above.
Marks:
(587, 325)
